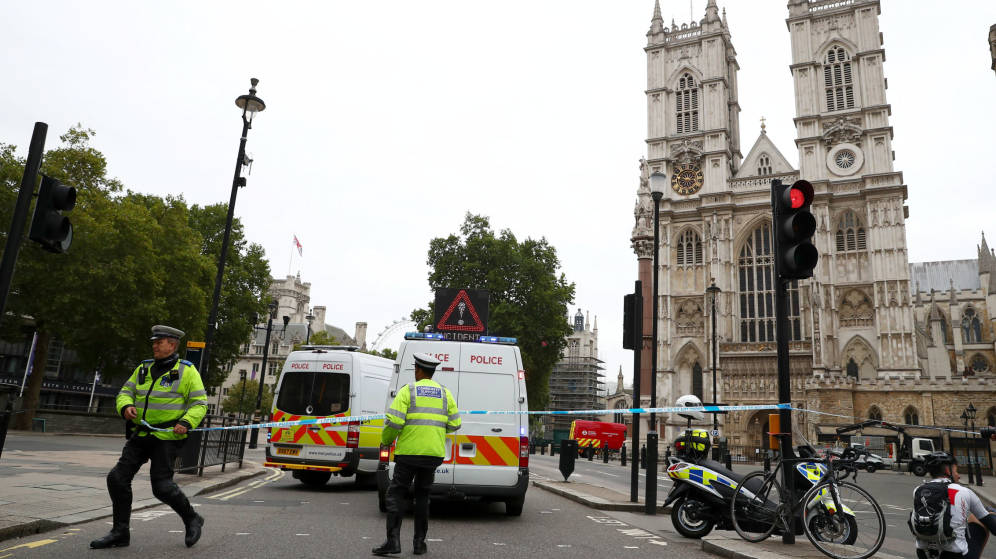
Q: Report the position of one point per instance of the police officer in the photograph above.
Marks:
(167, 393)
(420, 416)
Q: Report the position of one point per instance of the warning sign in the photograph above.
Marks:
(461, 314)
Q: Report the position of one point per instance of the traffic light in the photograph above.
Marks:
(794, 228)
(629, 319)
(49, 227)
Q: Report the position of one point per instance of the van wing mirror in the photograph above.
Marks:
(397, 368)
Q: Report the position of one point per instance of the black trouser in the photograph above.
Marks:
(137, 451)
(408, 469)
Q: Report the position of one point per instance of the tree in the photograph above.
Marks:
(136, 260)
(243, 401)
(528, 299)
(320, 337)
(387, 353)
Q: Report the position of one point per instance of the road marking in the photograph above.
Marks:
(631, 547)
(241, 533)
(434, 539)
(550, 512)
(608, 474)
(343, 503)
(231, 493)
(563, 545)
(498, 543)
(259, 501)
(176, 531)
(30, 545)
(302, 534)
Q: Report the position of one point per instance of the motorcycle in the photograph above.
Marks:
(703, 490)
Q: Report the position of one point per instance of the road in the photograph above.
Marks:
(276, 516)
(892, 490)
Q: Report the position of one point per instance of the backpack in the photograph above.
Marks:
(930, 520)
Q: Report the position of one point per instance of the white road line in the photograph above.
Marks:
(302, 534)
(434, 539)
(241, 533)
(176, 531)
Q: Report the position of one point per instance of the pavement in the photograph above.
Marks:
(56, 480)
(603, 493)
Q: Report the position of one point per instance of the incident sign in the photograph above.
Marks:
(461, 314)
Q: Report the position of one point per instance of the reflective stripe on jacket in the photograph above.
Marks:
(169, 398)
(422, 412)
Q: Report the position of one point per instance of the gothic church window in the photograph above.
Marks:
(852, 368)
(979, 364)
(944, 330)
(837, 80)
(971, 327)
(756, 291)
(689, 250)
(687, 105)
(911, 416)
(850, 235)
(697, 380)
(764, 165)
(875, 413)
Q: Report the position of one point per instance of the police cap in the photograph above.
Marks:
(426, 362)
(161, 331)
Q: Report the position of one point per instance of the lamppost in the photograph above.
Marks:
(968, 455)
(242, 392)
(250, 105)
(254, 436)
(658, 182)
(713, 290)
(310, 317)
(975, 453)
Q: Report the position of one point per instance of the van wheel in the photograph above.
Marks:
(870, 468)
(381, 500)
(513, 507)
(315, 479)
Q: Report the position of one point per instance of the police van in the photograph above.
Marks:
(488, 458)
(329, 381)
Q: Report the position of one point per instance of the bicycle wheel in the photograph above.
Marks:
(854, 530)
(755, 507)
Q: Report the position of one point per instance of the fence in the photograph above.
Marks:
(212, 448)
(747, 454)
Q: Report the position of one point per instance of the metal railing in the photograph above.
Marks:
(212, 448)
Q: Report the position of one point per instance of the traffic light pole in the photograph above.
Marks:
(634, 479)
(16, 233)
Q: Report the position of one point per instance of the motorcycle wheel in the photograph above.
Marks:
(684, 517)
(823, 528)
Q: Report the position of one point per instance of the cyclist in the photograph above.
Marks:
(969, 518)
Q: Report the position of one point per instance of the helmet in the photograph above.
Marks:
(693, 445)
(691, 401)
(935, 462)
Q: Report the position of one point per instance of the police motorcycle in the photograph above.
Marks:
(703, 488)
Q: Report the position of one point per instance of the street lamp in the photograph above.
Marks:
(964, 419)
(971, 411)
(658, 182)
(254, 436)
(309, 318)
(250, 105)
(713, 290)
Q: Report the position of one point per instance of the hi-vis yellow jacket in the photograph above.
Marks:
(175, 396)
(423, 412)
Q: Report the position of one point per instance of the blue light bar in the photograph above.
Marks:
(497, 340)
(424, 336)
(442, 337)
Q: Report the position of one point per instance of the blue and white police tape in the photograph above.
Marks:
(373, 417)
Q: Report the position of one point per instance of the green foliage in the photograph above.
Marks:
(386, 352)
(528, 299)
(239, 401)
(320, 337)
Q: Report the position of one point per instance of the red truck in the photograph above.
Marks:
(598, 433)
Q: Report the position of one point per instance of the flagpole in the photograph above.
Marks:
(96, 375)
(290, 262)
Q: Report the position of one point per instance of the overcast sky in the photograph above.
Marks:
(387, 121)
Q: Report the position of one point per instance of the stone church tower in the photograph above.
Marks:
(855, 318)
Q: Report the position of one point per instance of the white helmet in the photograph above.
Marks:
(691, 401)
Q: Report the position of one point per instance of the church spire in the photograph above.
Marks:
(619, 381)
(656, 22)
(711, 12)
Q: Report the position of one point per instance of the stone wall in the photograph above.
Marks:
(75, 422)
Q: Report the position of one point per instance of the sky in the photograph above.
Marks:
(387, 121)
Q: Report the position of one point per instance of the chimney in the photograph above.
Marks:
(361, 335)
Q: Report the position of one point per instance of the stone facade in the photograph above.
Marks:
(576, 380)
(864, 337)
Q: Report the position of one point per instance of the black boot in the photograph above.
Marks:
(119, 536)
(393, 542)
(193, 526)
(419, 546)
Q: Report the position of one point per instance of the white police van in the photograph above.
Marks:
(488, 458)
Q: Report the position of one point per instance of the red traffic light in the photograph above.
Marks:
(799, 194)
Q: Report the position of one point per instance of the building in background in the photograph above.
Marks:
(293, 299)
(576, 380)
(865, 340)
(620, 399)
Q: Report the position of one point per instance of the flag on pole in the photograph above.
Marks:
(297, 243)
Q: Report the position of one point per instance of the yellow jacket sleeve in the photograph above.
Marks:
(453, 414)
(396, 415)
(126, 397)
(196, 397)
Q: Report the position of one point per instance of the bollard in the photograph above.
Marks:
(643, 457)
(590, 451)
(729, 461)
(542, 450)
(605, 454)
(767, 464)
(667, 453)
(978, 473)
(5, 417)
(622, 456)
(568, 453)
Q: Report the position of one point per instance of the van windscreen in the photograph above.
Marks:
(312, 393)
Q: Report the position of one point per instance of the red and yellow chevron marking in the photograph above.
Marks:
(491, 451)
(582, 443)
(301, 434)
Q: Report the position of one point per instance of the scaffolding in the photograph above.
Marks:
(575, 384)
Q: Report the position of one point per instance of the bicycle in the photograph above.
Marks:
(841, 520)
